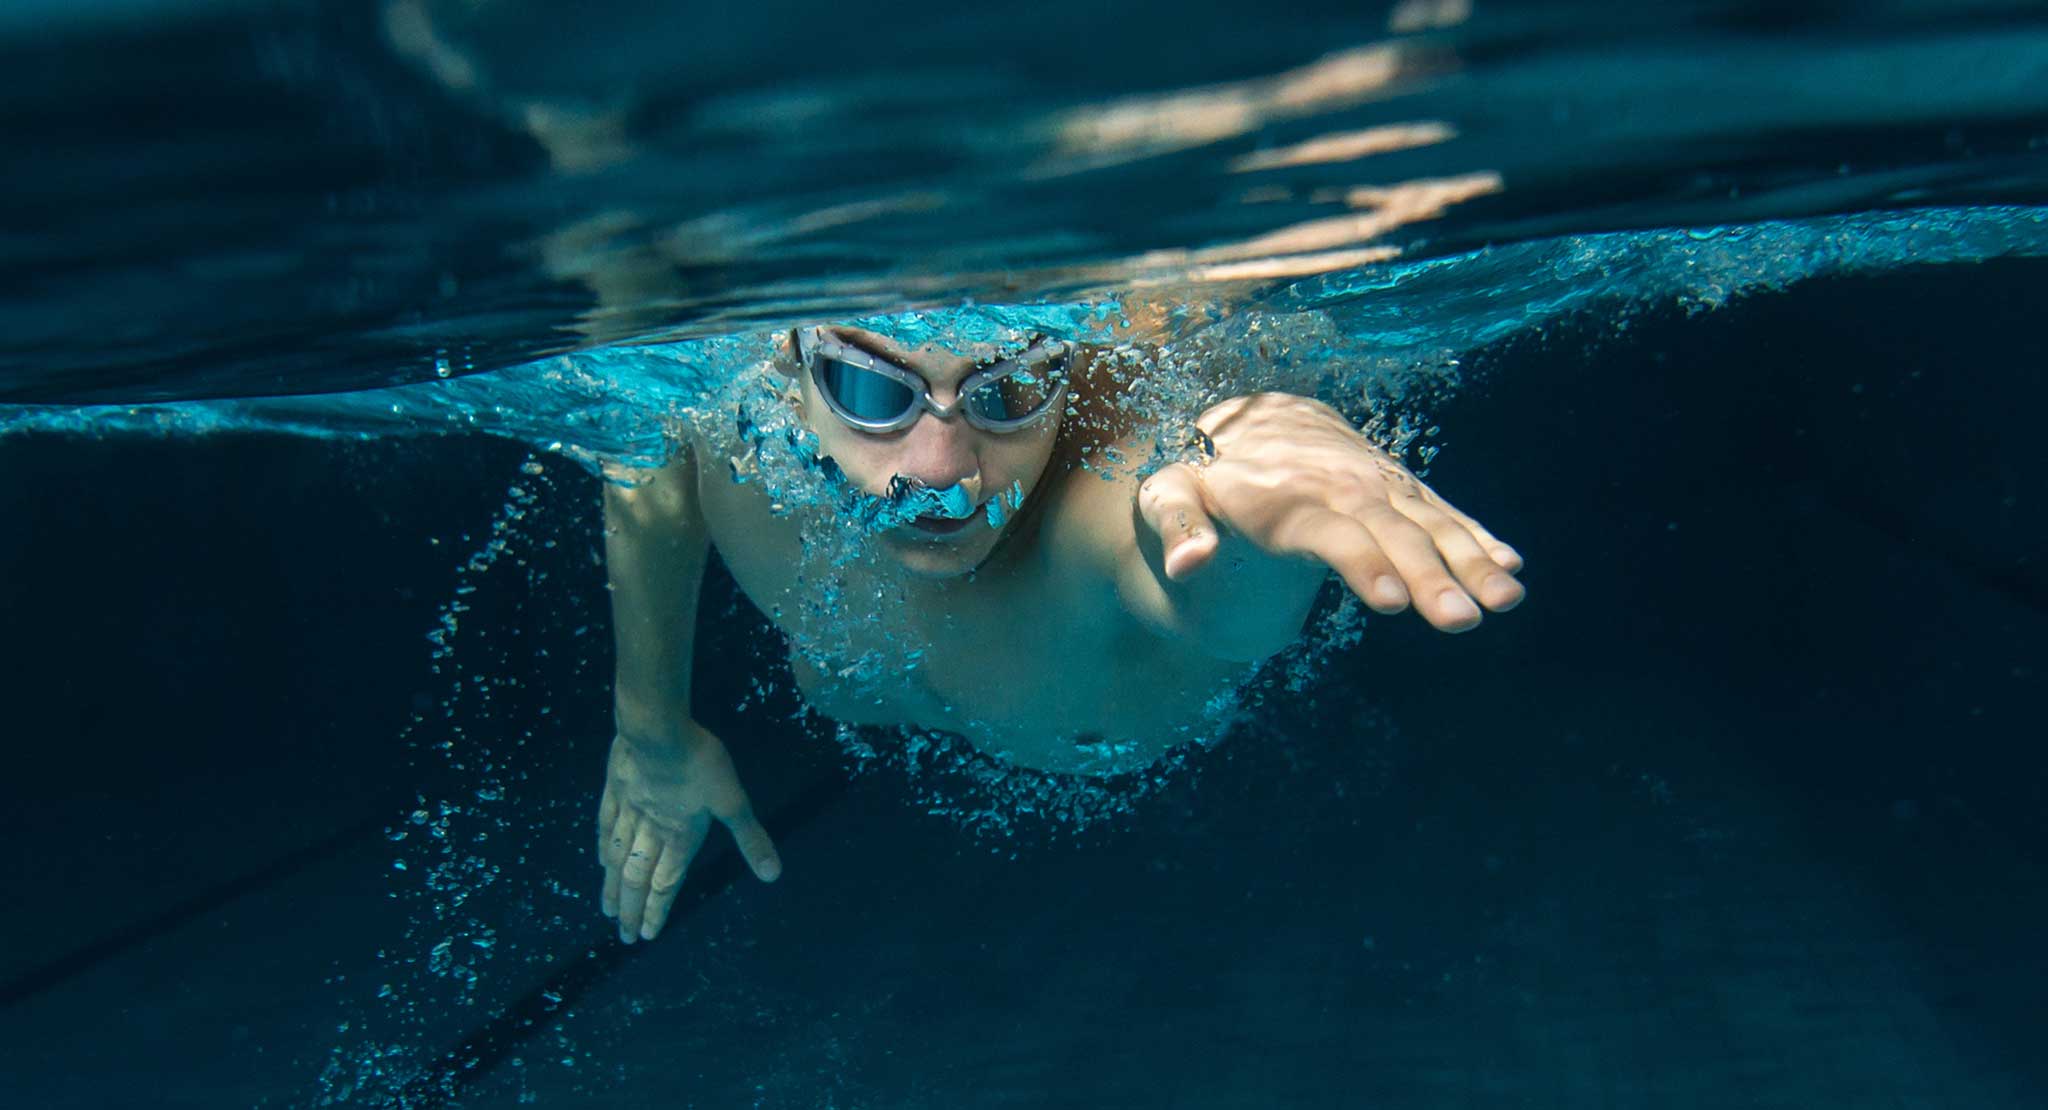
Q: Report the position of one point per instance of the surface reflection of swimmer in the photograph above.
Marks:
(1036, 598)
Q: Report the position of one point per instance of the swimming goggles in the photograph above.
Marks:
(877, 396)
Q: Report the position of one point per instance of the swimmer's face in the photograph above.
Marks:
(940, 453)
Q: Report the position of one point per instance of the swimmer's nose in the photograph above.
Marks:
(939, 453)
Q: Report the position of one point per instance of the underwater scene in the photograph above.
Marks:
(1413, 553)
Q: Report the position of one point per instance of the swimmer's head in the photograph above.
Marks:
(952, 470)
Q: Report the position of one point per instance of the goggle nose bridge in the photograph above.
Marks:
(813, 344)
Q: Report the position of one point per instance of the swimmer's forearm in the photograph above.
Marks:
(656, 546)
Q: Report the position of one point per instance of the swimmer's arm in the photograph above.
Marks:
(1230, 555)
(656, 546)
(668, 779)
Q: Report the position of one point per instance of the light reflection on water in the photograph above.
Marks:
(492, 183)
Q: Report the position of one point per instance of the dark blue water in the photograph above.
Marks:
(1727, 315)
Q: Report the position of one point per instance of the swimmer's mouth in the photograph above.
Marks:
(943, 525)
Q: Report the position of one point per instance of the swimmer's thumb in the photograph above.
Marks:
(1191, 552)
(755, 846)
(1171, 502)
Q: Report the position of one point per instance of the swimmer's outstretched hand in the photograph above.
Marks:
(1293, 477)
(661, 795)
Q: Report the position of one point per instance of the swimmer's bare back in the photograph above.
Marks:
(1113, 618)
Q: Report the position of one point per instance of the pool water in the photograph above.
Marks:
(1723, 313)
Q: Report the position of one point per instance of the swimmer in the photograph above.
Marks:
(1039, 596)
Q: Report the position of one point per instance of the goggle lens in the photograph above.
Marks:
(1018, 395)
(864, 393)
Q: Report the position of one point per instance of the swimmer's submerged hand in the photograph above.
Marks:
(661, 794)
(1295, 479)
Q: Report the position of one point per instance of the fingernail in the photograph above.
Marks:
(1458, 607)
(1389, 589)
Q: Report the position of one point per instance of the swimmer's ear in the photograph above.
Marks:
(785, 368)
(785, 360)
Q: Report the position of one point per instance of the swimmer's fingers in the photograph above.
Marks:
(1171, 503)
(636, 877)
(1394, 558)
(667, 878)
(1508, 558)
(661, 893)
(755, 846)
(612, 852)
(1477, 572)
(1347, 547)
(607, 816)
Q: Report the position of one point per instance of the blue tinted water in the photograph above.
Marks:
(382, 229)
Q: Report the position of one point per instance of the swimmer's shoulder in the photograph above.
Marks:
(1088, 541)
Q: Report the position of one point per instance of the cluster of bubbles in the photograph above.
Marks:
(459, 866)
(949, 777)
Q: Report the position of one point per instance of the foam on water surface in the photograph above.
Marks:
(1392, 327)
